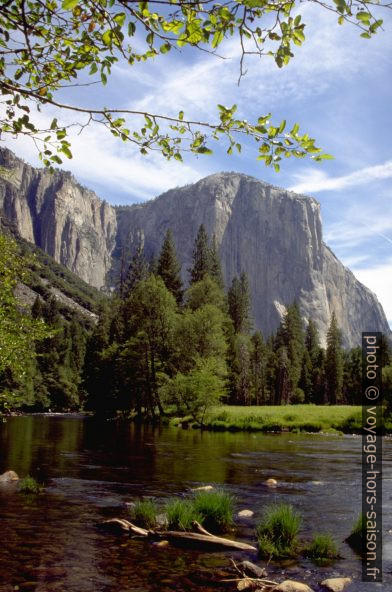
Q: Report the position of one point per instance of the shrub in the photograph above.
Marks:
(181, 514)
(29, 485)
(216, 509)
(322, 547)
(144, 513)
(277, 532)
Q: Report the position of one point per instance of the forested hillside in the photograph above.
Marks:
(154, 347)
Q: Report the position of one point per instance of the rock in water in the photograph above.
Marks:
(245, 514)
(336, 584)
(271, 483)
(292, 586)
(272, 234)
(9, 477)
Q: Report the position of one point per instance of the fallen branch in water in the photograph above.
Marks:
(202, 536)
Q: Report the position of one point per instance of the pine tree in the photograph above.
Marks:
(215, 263)
(290, 335)
(283, 387)
(201, 257)
(239, 304)
(258, 365)
(310, 372)
(333, 363)
(352, 376)
(137, 270)
(168, 267)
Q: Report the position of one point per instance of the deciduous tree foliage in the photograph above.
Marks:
(49, 45)
(18, 330)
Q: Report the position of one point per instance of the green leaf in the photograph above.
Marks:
(217, 39)
(65, 150)
(107, 37)
(204, 150)
(120, 18)
(181, 115)
(69, 4)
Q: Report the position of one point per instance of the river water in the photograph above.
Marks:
(50, 542)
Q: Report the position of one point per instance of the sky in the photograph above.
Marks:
(337, 87)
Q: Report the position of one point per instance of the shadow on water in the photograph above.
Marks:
(91, 468)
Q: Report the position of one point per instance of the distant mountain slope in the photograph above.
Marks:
(274, 235)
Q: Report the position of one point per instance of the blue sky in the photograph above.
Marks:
(338, 87)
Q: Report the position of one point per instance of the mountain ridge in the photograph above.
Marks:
(273, 234)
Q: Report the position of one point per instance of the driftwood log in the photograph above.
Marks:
(200, 537)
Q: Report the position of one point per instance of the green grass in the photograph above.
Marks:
(355, 538)
(295, 418)
(29, 485)
(144, 513)
(322, 547)
(216, 509)
(277, 531)
(180, 514)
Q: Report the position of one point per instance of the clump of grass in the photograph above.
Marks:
(322, 547)
(277, 532)
(144, 513)
(216, 509)
(180, 514)
(29, 485)
(355, 538)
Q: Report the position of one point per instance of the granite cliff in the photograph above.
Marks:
(274, 235)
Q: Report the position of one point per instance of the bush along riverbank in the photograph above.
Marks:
(204, 517)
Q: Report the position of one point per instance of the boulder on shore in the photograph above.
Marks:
(8, 477)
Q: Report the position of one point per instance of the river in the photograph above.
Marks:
(50, 542)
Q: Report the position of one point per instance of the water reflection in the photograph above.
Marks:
(91, 468)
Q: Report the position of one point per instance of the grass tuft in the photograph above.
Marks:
(144, 513)
(322, 547)
(277, 532)
(180, 514)
(216, 509)
(29, 485)
(355, 538)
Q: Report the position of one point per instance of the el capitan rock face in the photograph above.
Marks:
(274, 235)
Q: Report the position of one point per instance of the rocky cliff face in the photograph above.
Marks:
(273, 235)
(66, 220)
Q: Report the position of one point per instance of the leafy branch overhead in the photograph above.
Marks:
(46, 46)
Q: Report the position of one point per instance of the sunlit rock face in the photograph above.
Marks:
(66, 220)
(274, 235)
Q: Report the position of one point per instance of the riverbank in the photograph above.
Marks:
(345, 419)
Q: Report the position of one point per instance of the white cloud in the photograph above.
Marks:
(379, 279)
(313, 181)
(119, 168)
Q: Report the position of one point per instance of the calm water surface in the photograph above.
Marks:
(50, 542)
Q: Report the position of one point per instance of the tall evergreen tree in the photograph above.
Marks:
(168, 267)
(352, 376)
(215, 263)
(201, 256)
(239, 304)
(290, 335)
(333, 363)
(137, 271)
(258, 366)
(283, 386)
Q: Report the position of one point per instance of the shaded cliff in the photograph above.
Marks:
(274, 235)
